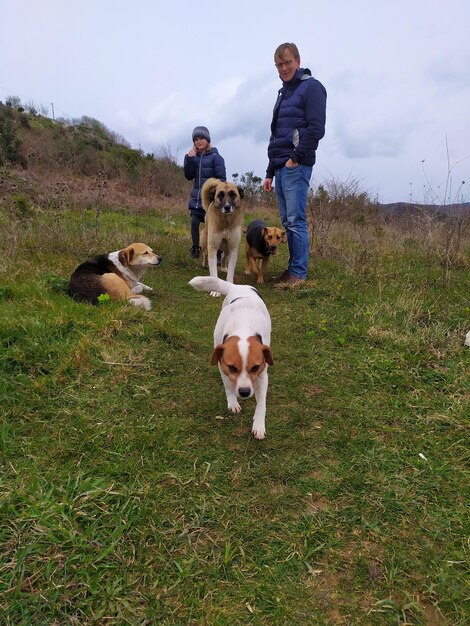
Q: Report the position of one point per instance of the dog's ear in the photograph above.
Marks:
(284, 237)
(268, 355)
(265, 231)
(217, 354)
(212, 194)
(241, 192)
(125, 256)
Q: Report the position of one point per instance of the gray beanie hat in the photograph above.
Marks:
(201, 131)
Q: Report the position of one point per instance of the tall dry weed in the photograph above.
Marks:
(345, 224)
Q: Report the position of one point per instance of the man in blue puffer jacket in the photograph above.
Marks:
(297, 126)
(201, 162)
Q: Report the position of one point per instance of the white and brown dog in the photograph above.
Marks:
(242, 337)
(222, 202)
(116, 274)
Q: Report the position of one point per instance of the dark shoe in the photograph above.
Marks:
(285, 274)
(220, 256)
(195, 252)
(290, 281)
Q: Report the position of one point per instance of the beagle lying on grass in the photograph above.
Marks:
(116, 274)
(242, 337)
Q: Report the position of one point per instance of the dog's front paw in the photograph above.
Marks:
(139, 288)
(147, 289)
(215, 294)
(258, 429)
(233, 405)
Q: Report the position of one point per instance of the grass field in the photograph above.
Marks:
(130, 495)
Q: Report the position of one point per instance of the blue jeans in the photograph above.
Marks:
(291, 184)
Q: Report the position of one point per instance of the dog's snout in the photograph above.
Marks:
(244, 392)
(227, 208)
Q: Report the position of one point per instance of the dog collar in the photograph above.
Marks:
(239, 297)
(114, 257)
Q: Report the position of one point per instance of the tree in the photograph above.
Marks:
(252, 186)
(13, 102)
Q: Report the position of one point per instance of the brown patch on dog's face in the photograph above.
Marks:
(258, 356)
(226, 197)
(274, 236)
(229, 357)
(138, 255)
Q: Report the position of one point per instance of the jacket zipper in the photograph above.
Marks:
(199, 187)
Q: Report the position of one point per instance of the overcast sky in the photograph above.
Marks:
(397, 76)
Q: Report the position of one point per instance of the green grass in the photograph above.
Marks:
(130, 495)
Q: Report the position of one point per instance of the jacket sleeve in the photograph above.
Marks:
(315, 115)
(189, 167)
(219, 168)
(269, 171)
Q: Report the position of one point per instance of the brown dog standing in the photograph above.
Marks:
(224, 220)
(261, 242)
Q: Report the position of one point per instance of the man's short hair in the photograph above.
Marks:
(290, 47)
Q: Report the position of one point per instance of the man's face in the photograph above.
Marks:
(286, 65)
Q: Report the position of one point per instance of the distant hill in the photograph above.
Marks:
(407, 208)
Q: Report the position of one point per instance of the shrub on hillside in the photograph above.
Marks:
(10, 143)
(70, 149)
(338, 202)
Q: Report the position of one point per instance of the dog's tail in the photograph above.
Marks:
(207, 191)
(210, 283)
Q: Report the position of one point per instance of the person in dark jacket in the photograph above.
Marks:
(297, 126)
(202, 162)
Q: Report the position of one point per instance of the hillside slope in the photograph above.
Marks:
(56, 162)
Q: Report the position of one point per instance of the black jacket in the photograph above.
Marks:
(199, 168)
(298, 121)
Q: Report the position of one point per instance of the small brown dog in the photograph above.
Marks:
(261, 242)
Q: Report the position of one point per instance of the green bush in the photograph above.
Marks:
(9, 141)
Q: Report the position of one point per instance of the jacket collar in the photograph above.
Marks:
(211, 150)
(300, 74)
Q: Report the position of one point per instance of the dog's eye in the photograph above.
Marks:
(232, 369)
(232, 194)
(254, 369)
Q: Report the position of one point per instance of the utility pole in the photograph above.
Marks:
(52, 105)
